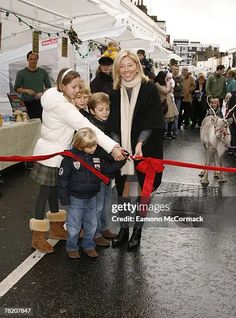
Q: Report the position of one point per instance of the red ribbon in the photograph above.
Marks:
(148, 166)
(104, 178)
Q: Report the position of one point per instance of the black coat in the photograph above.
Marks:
(147, 115)
(102, 83)
(76, 180)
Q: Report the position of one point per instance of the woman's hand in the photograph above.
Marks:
(138, 149)
(117, 153)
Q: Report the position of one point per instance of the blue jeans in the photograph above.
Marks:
(103, 208)
(81, 212)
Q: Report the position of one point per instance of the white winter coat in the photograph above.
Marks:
(60, 120)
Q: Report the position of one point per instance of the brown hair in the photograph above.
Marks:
(84, 138)
(67, 78)
(98, 98)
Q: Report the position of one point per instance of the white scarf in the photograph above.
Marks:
(127, 110)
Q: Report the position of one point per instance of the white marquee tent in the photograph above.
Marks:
(99, 20)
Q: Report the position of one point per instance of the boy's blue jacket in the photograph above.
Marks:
(75, 180)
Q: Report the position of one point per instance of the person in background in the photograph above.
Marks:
(230, 81)
(178, 93)
(230, 100)
(99, 108)
(136, 120)
(77, 188)
(112, 50)
(188, 89)
(199, 101)
(146, 64)
(60, 120)
(103, 81)
(215, 108)
(215, 85)
(30, 83)
(165, 86)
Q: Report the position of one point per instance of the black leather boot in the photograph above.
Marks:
(122, 237)
(134, 241)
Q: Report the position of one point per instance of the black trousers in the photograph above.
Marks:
(34, 108)
(46, 193)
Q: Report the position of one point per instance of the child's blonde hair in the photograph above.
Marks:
(84, 138)
(97, 98)
(84, 88)
(112, 44)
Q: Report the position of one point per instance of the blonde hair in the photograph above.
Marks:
(84, 88)
(98, 98)
(116, 67)
(111, 44)
(84, 138)
(66, 76)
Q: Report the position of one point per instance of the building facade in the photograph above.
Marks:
(187, 49)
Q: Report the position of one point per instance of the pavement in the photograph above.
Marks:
(184, 268)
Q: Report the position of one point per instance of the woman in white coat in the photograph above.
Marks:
(59, 121)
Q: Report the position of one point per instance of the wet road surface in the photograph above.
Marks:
(182, 269)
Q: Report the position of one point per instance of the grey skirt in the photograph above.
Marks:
(44, 175)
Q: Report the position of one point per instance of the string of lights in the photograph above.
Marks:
(71, 33)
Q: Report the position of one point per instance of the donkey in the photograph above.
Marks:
(215, 137)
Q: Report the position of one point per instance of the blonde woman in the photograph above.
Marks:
(136, 122)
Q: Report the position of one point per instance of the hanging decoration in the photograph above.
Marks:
(71, 33)
(74, 39)
(35, 42)
(64, 46)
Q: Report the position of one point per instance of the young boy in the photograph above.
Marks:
(112, 49)
(82, 98)
(77, 187)
(215, 105)
(99, 108)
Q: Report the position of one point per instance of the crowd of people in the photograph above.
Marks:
(125, 111)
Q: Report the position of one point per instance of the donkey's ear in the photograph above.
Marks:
(214, 119)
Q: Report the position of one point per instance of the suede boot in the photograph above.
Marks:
(39, 230)
(122, 237)
(57, 220)
(134, 241)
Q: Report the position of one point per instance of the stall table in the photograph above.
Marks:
(18, 139)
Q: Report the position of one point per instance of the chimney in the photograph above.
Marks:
(141, 6)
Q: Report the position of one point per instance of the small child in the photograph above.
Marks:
(81, 100)
(77, 187)
(112, 49)
(99, 108)
(215, 105)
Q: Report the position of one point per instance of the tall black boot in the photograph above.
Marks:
(122, 237)
(134, 241)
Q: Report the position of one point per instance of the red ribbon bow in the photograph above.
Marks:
(150, 167)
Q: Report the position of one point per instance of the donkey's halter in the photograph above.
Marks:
(223, 133)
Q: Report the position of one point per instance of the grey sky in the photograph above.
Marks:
(207, 21)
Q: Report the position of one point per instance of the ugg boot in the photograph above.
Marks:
(57, 220)
(39, 229)
(134, 241)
